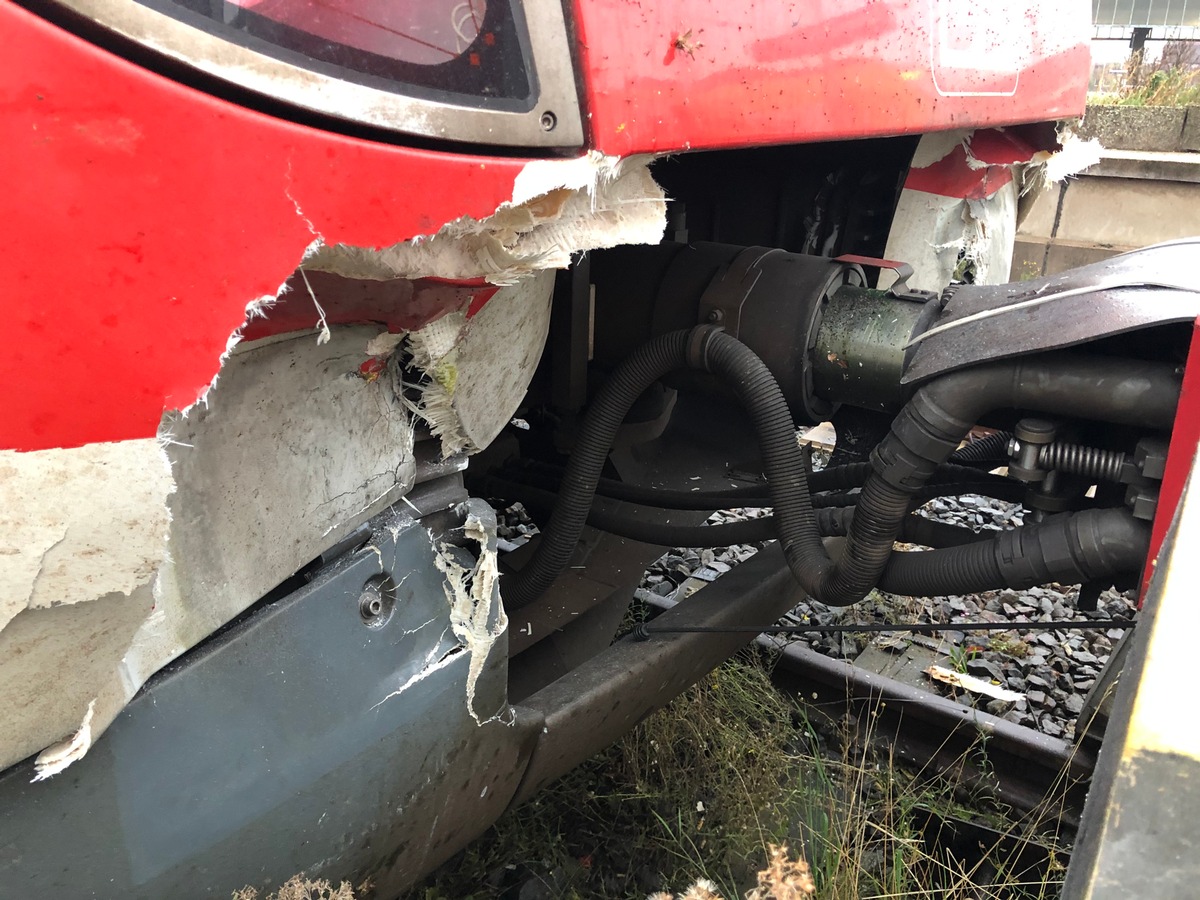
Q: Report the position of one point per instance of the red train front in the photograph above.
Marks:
(294, 286)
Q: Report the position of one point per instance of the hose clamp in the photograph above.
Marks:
(697, 345)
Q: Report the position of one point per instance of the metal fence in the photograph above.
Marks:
(1168, 20)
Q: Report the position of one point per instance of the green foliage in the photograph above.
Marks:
(1176, 87)
(958, 657)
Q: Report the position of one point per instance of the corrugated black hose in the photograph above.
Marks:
(831, 522)
(1071, 548)
(834, 514)
(755, 388)
(827, 485)
(991, 450)
(940, 413)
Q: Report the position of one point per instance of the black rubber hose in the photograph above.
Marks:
(827, 487)
(1072, 548)
(929, 428)
(783, 462)
(834, 478)
(941, 412)
(830, 523)
(642, 368)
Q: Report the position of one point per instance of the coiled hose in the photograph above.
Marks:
(755, 388)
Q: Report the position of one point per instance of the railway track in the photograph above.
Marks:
(984, 755)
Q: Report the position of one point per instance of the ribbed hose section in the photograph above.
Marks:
(755, 388)
(1072, 548)
(784, 463)
(935, 573)
(876, 526)
(991, 449)
(830, 523)
(642, 368)
(1077, 459)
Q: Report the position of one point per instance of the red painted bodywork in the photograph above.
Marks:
(958, 175)
(141, 217)
(664, 76)
(399, 304)
(1180, 456)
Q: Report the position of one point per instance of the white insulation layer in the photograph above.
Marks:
(117, 558)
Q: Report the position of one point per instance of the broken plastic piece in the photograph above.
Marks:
(971, 683)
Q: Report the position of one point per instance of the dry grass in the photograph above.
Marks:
(1165, 87)
(1171, 80)
(707, 792)
(297, 888)
(783, 878)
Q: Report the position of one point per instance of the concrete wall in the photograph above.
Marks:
(1162, 128)
(1135, 195)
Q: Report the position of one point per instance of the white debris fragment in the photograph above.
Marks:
(477, 616)
(385, 342)
(971, 683)
(1075, 156)
(54, 759)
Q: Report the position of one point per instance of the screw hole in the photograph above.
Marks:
(377, 601)
(549, 121)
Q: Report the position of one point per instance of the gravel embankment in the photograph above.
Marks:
(1052, 668)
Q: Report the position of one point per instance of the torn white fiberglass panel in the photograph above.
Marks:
(477, 617)
(942, 236)
(130, 553)
(559, 208)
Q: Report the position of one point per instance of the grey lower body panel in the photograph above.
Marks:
(316, 738)
(301, 740)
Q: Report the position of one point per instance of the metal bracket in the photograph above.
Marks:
(722, 301)
(903, 272)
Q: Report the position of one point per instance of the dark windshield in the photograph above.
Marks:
(472, 48)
